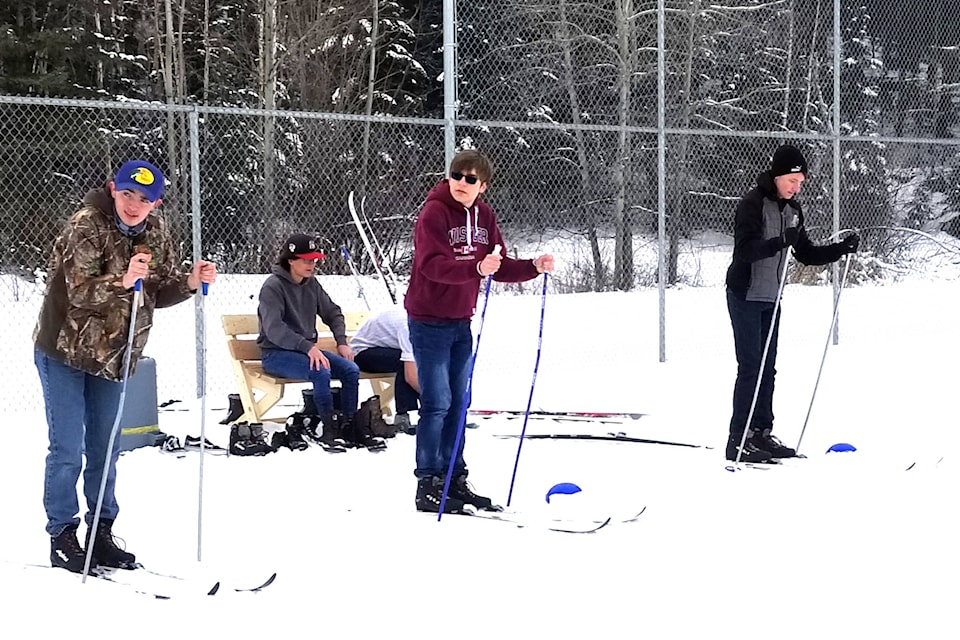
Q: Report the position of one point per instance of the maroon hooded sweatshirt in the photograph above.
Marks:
(449, 241)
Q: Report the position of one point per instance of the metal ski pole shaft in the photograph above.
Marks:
(203, 415)
(463, 410)
(763, 358)
(536, 368)
(833, 323)
(125, 375)
(368, 247)
(356, 275)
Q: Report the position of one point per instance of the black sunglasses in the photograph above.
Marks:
(457, 176)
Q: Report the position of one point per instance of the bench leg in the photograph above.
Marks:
(270, 397)
(385, 390)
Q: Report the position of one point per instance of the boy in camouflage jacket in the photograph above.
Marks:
(113, 240)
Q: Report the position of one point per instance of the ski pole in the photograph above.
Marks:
(536, 367)
(763, 360)
(116, 427)
(833, 322)
(356, 276)
(463, 410)
(203, 413)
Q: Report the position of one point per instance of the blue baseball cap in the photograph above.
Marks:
(141, 176)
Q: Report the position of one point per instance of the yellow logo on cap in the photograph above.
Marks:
(143, 176)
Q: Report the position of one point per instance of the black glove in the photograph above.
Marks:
(851, 243)
(789, 236)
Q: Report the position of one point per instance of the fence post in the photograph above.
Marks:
(449, 81)
(661, 178)
(837, 46)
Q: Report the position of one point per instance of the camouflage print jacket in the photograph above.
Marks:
(85, 318)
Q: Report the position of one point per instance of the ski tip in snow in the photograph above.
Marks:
(266, 583)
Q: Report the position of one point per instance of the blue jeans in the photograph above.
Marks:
(443, 351)
(296, 365)
(751, 324)
(81, 410)
(387, 360)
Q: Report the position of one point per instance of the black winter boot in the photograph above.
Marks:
(357, 431)
(234, 410)
(106, 553)
(309, 406)
(66, 552)
(372, 414)
(331, 430)
(429, 494)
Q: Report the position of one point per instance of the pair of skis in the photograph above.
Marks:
(157, 585)
(380, 262)
(162, 586)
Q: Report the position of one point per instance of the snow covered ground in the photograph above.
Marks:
(838, 546)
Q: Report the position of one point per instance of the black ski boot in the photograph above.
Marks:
(66, 552)
(401, 422)
(234, 410)
(248, 440)
(106, 553)
(751, 452)
(331, 430)
(461, 490)
(429, 493)
(293, 437)
(323, 431)
(768, 442)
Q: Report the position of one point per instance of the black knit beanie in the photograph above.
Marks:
(787, 159)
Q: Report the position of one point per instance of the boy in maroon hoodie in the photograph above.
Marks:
(454, 242)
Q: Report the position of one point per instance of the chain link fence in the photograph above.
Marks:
(622, 157)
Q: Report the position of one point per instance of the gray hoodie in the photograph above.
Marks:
(288, 313)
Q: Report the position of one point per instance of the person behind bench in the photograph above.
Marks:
(382, 345)
(290, 301)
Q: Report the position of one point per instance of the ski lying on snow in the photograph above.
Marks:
(560, 416)
(558, 525)
(609, 437)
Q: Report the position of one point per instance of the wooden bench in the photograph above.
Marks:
(242, 331)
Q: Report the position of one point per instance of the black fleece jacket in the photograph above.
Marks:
(755, 239)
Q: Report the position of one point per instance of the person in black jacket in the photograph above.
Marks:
(769, 221)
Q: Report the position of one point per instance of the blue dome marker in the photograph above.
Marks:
(841, 446)
(562, 488)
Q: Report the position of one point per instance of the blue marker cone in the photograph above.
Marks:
(841, 447)
(563, 488)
